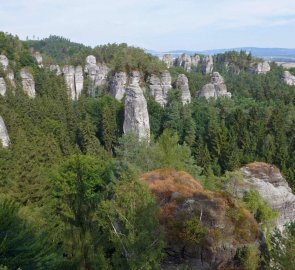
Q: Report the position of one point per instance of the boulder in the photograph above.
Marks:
(204, 229)
(182, 85)
(215, 89)
(207, 65)
(28, 82)
(56, 69)
(168, 60)
(159, 87)
(273, 188)
(4, 137)
(288, 78)
(260, 68)
(4, 62)
(118, 85)
(2, 87)
(136, 119)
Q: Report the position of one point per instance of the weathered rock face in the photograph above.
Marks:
(28, 82)
(215, 89)
(69, 75)
(39, 59)
(185, 207)
(118, 85)
(159, 87)
(273, 188)
(182, 85)
(260, 68)
(56, 69)
(136, 114)
(168, 60)
(74, 80)
(97, 73)
(4, 137)
(195, 60)
(2, 87)
(207, 65)
(79, 80)
(4, 61)
(184, 61)
(288, 78)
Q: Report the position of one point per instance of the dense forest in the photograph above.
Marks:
(71, 195)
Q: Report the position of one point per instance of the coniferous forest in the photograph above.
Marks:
(77, 192)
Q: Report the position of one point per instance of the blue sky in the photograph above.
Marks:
(156, 24)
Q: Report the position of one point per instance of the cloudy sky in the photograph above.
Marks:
(155, 24)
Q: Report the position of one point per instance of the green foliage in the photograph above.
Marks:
(21, 245)
(134, 227)
(249, 257)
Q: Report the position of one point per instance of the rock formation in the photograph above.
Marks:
(79, 80)
(28, 82)
(4, 137)
(74, 80)
(184, 61)
(223, 226)
(260, 68)
(195, 60)
(182, 85)
(56, 69)
(288, 78)
(2, 87)
(273, 188)
(4, 62)
(118, 85)
(215, 89)
(10, 76)
(97, 73)
(136, 114)
(159, 87)
(207, 65)
(39, 59)
(168, 60)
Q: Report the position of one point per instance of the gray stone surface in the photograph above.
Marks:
(28, 82)
(118, 85)
(195, 60)
(2, 87)
(79, 80)
(207, 65)
(168, 60)
(97, 72)
(56, 69)
(136, 114)
(160, 86)
(288, 78)
(4, 62)
(273, 188)
(215, 89)
(39, 59)
(260, 68)
(69, 76)
(4, 137)
(182, 85)
(184, 61)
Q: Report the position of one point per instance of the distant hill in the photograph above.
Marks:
(274, 54)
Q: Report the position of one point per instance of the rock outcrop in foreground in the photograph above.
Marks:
(182, 85)
(215, 89)
(204, 229)
(28, 82)
(136, 114)
(159, 87)
(288, 78)
(4, 137)
(273, 188)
